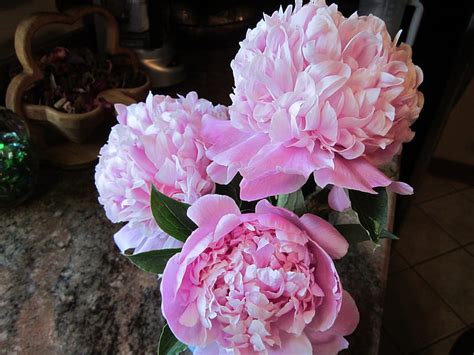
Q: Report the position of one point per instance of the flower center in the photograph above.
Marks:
(257, 277)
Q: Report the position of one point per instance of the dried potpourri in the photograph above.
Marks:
(74, 77)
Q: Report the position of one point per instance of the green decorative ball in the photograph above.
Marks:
(18, 164)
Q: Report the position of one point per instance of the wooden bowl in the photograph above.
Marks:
(79, 129)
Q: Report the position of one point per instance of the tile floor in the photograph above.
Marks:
(430, 291)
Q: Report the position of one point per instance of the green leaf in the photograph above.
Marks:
(153, 261)
(171, 216)
(168, 344)
(354, 233)
(372, 210)
(388, 235)
(293, 202)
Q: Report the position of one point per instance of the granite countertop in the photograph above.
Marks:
(65, 288)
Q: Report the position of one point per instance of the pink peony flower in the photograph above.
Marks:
(158, 142)
(257, 283)
(315, 93)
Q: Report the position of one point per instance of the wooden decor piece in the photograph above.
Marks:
(79, 129)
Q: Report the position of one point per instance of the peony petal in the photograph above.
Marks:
(190, 316)
(270, 185)
(209, 209)
(328, 126)
(159, 241)
(220, 135)
(212, 349)
(212, 128)
(277, 158)
(348, 317)
(325, 235)
(264, 206)
(226, 224)
(292, 344)
(221, 174)
(327, 344)
(128, 237)
(197, 242)
(357, 174)
(280, 127)
(327, 278)
(400, 188)
(338, 199)
(173, 308)
(241, 152)
(387, 80)
(167, 174)
(290, 230)
(121, 113)
(332, 340)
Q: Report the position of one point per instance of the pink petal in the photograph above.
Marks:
(263, 206)
(329, 85)
(275, 183)
(241, 152)
(121, 113)
(190, 316)
(226, 224)
(197, 242)
(220, 135)
(387, 80)
(172, 307)
(278, 158)
(213, 127)
(209, 209)
(292, 344)
(313, 118)
(327, 344)
(143, 236)
(212, 349)
(291, 231)
(362, 47)
(280, 127)
(325, 235)
(328, 126)
(169, 285)
(167, 174)
(221, 174)
(348, 317)
(338, 199)
(327, 278)
(357, 174)
(322, 158)
(159, 241)
(328, 68)
(332, 340)
(352, 152)
(128, 238)
(400, 188)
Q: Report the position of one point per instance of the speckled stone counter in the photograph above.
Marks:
(65, 289)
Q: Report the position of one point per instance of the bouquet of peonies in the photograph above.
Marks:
(212, 199)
